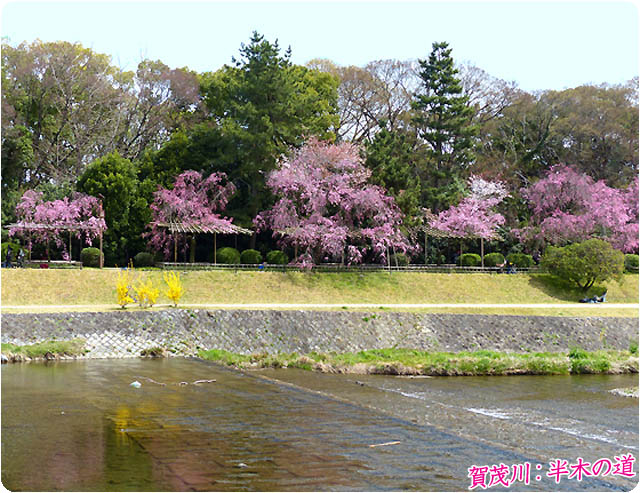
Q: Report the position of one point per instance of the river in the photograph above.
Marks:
(79, 425)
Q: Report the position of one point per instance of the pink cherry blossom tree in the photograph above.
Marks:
(193, 200)
(327, 210)
(51, 221)
(474, 217)
(568, 206)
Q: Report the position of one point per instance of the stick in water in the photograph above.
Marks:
(383, 444)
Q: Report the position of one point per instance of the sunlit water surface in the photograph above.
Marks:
(81, 426)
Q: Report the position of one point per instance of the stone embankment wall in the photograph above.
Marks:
(183, 332)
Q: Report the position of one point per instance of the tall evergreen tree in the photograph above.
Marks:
(443, 121)
(391, 159)
(264, 105)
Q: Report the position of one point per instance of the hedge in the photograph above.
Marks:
(227, 255)
(493, 259)
(470, 260)
(250, 256)
(277, 257)
(90, 257)
(520, 259)
(144, 259)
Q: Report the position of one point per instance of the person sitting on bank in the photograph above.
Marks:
(595, 299)
(20, 258)
(8, 258)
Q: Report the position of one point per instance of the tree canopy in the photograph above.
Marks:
(72, 121)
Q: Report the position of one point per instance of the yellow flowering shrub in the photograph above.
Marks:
(146, 293)
(175, 290)
(123, 286)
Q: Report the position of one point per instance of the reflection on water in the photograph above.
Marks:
(80, 426)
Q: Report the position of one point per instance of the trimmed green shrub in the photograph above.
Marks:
(228, 255)
(250, 256)
(520, 259)
(90, 257)
(584, 263)
(493, 259)
(630, 262)
(144, 259)
(470, 260)
(277, 257)
(400, 258)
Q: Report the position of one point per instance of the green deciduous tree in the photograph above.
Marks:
(114, 179)
(584, 263)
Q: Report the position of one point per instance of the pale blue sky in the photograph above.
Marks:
(540, 45)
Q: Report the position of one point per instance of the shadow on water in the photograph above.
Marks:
(86, 429)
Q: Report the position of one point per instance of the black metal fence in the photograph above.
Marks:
(450, 268)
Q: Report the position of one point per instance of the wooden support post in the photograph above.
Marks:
(388, 260)
(482, 252)
(30, 246)
(215, 248)
(425, 247)
(70, 256)
(101, 253)
(175, 248)
(394, 254)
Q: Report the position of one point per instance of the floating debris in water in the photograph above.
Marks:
(135, 384)
(383, 444)
(196, 382)
(241, 464)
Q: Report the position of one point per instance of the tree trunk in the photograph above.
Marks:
(101, 252)
(192, 249)
(425, 247)
(482, 252)
(175, 248)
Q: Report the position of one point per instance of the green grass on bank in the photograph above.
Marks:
(97, 287)
(74, 347)
(414, 362)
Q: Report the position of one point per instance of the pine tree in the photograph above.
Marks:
(443, 121)
(391, 159)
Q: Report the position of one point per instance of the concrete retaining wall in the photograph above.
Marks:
(183, 332)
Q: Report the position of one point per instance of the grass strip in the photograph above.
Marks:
(51, 349)
(98, 287)
(393, 361)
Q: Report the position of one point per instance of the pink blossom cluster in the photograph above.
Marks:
(78, 216)
(474, 217)
(570, 206)
(326, 208)
(482, 189)
(192, 201)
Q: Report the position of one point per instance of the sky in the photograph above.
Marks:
(540, 45)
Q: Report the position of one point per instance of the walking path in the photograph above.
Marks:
(305, 306)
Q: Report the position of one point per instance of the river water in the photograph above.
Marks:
(81, 426)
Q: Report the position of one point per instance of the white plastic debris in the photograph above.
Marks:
(135, 384)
